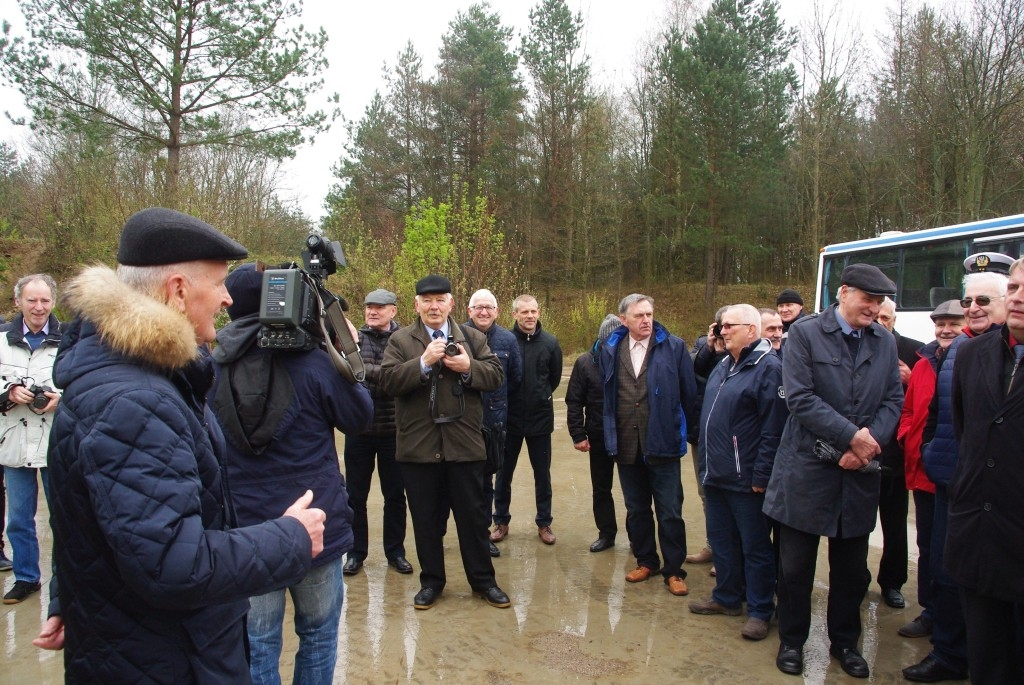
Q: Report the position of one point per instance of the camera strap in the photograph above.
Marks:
(348, 362)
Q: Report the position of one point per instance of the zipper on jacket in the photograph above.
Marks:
(736, 455)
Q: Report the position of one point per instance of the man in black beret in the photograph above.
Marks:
(842, 382)
(436, 370)
(152, 576)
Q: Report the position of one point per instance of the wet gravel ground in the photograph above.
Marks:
(573, 618)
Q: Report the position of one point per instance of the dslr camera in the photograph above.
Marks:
(293, 299)
(39, 398)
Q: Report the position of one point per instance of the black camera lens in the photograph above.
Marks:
(717, 330)
(39, 401)
(451, 349)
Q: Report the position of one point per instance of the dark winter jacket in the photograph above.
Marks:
(705, 358)
(450, 428)
(940, 454)
(153, 579)
(671, 390)
(830, 397)
(892, 451)
(371, 349)
(584, 398)
(301, 454)
(505, 347)
(983, 543)
(742, 419)
(530, 408)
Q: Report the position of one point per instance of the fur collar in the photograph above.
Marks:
(129, 322)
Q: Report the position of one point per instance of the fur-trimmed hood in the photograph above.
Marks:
(129, 322)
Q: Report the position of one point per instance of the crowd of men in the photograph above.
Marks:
(801, 426)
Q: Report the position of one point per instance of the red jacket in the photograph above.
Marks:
(920, 390)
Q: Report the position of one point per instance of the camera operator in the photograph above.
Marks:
(28, 346)
(279, 409)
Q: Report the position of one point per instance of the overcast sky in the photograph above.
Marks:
(366, 34)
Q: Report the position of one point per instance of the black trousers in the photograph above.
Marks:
(848, 580)
(893, 506)
(994, 633)
(924, 508)
(602, 475)
(362, 453)
(432, 489)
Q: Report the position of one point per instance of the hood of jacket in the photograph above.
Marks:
(235, 339)
(131, 324)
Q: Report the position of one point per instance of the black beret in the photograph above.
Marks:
(988, 262)
(433, 284)
(158, 236)
(245, 286)
(382, 297)
(789, 295)
(868, 278)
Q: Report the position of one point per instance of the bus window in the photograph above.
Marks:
(832, 274)
(932, 274)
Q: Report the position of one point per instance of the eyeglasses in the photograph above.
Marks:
(483, 308)
(982, 300)
(727, 326)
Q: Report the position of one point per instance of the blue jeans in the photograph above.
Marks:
(739, 535)
(539, 449)
(317, 598)
(22, 501)
(659, 483)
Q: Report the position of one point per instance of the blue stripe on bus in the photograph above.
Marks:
(928, 234)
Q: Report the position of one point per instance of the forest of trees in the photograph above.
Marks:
(738, 149)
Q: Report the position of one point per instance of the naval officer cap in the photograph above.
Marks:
(157, 236)
(988, 262)
(868, 278)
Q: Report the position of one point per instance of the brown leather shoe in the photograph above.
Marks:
(546, 536)
(677, 586)
(709, 606)
(702, 557)
(640, 573)
(755, 629)
(499, 533)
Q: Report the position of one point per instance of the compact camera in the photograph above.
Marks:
(451, 349)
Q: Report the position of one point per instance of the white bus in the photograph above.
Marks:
(927, 265)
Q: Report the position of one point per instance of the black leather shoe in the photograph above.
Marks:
(495, 597)
(893, 598)
(493, 550)
(931, 671)
(400, 564)
(601, 544)
(790, 660)
(851, 661)
(425, 598)
(352, 566)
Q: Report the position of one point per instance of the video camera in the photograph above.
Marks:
(293, 299)
(299, 313)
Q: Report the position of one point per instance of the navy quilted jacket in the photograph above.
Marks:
(152, 578)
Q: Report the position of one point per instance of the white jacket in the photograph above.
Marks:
(24, 434)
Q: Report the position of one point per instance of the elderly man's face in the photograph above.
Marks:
(789, 311)
(639, 319)
(527, 314)
(736, 332)
(858, 308)
(379, 316)
(433, 309)
(35, 303)
(204, 296)
(982, 317)
(947, 328)
(771, 328)
(483, 312)
(887, 316)
(1014, 304)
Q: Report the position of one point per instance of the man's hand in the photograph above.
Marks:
(312, 519)
(52, 634)
(864, 447)
(582, 445)
(434, 352)
(756, 489)
(904, 373)
(52, 404)
(850, 461)
(19, 394)
(460, 363)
